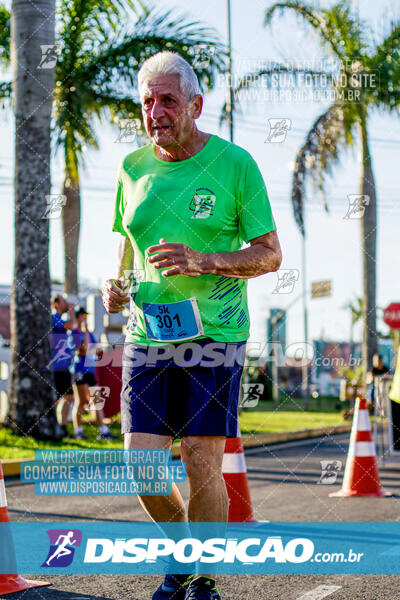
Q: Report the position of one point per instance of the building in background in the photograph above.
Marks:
(280, 329)
(329, 358)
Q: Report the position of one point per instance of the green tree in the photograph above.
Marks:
(98, 61)
(367, 79)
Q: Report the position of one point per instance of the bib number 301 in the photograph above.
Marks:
(172, 321)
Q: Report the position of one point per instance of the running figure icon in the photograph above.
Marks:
(62, 549)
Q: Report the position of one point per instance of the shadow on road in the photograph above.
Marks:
(62, 516)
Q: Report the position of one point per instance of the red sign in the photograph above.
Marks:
(391, 315)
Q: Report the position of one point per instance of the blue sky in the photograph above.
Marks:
(333, 243)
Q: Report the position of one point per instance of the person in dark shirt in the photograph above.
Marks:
(377, 370)
(84, 378)
(378, 367)
(62, 352)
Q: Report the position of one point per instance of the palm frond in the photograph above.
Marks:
(385, 64)
(5, 90)
(356, 308)
(339, 29)
(268, 76)
(74, 130)
(122, 55)
(319, 153)
(122, 111)
(116, 106)
(5, 17)
(93, 16)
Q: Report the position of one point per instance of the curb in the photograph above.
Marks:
(258, 440)
(11, 467)
(264, 439)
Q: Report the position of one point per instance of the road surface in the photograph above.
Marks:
(283, 481)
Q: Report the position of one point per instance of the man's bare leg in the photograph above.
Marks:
(79, 404)
(162, 509)
(208, 496)
(63, 407)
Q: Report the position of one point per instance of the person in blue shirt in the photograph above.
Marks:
(84, 377)
(62, 353)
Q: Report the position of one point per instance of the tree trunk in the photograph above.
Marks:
(71, 227)
(368, 246)
(31, 410)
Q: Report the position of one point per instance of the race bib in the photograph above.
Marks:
(172, 321)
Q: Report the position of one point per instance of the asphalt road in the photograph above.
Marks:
(283, 481)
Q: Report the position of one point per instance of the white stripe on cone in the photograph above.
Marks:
(234, 463)
(362, 449)
(362, 422)
(3, 499)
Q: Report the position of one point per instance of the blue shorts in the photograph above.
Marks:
(192, 390)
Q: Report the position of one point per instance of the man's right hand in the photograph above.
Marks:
(114, 296)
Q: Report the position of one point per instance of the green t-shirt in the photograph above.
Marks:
(211, 202)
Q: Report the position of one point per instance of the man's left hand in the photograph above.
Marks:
(182, 259)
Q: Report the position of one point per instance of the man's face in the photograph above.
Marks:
(80, 318)
(376, 360)
(62, 305)
(168, 115)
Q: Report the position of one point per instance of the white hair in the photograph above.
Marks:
(166, 63)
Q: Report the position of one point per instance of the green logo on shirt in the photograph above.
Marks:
(202, 204)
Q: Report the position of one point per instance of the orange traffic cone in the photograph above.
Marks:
(235, 475)
(11, 583)
(361, 475)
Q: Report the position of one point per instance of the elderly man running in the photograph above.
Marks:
(184, 205)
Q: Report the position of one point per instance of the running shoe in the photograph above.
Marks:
(173, 587)
(202, 588)
(63, 430)
(106, 436)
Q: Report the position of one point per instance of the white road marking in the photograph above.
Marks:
(322, 591)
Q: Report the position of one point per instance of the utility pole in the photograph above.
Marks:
(274, 321)
(229, 91)
(275, 372)
(304, 371)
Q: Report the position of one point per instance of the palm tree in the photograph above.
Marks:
(356, 311)
(31, 399)
(369, 78)
(96, 81)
